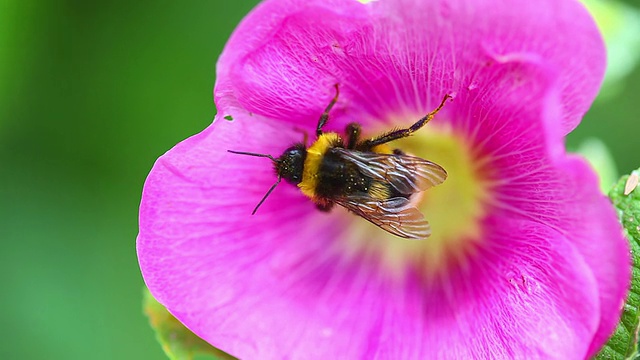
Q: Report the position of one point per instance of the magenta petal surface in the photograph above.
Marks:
(286, 55)
(256, 291)
(612, 267)
(552, 268)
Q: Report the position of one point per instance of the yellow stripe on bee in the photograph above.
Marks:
(382, 149)
(379, 191)
(315, 154)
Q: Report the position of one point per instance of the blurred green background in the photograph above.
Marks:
(91, 93)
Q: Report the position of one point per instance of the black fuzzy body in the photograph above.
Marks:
(338, 177)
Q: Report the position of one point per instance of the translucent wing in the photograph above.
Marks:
(395, 215)
(407, 174)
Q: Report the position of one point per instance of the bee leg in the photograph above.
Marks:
(304, 134)
(353, 135)
(399, 134)
(324, 206)
(325, 115)
(398, 152)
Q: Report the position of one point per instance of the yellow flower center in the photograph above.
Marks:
(454, 209)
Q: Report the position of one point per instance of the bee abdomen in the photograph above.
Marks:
(379, 191)
(337, 177)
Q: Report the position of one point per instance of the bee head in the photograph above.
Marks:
(290, 164)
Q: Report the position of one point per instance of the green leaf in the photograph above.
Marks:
(620, 26)
(623, 344)
(178, 342)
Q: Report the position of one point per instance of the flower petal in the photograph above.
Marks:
(533, 296)
(521, 149)
(570, 202)
(534, 179)
(598, 236)
(399, 56)
(193, 191)
(256, 291)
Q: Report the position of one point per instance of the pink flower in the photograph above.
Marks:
(526, 257)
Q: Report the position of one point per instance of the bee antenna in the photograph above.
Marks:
(252, 154)
(266, 195)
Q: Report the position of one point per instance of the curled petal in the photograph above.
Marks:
(394, 57)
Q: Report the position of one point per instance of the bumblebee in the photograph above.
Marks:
(365, 176)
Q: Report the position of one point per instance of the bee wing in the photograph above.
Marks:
(395, 215)
(407, 174)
